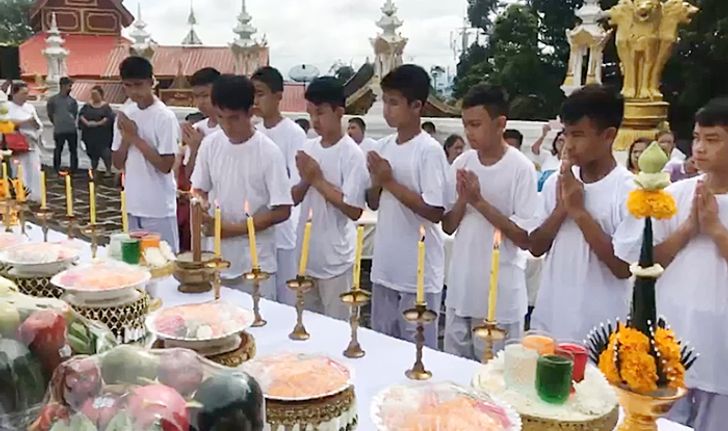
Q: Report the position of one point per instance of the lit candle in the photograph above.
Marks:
(69, 195)
(251, 237)
(43, 197)
(218, 230)
(494, 267)
(20, 192)
(421, 268)
(305, 246)
(5, 170)
(124, 215)
(92, 196)
(357, 256)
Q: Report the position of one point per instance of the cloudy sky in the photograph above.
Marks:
(317, 32)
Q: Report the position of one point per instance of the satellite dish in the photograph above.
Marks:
(304, 73)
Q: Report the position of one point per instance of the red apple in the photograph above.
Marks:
(101, 410)
(181, 370)
(44, 332)
(77, 380)
(161, 404)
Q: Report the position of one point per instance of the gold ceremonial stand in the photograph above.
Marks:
(44, 215)
(257, 276)
(490, 333)
(70, 225)
(421, 316)
(217, 265)
(93, 230)
(355, 299)
(301, 284)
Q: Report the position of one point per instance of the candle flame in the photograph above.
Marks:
(63, 173)
(497, 239)
(247, 208)
(217, 203)
(123, 180)
(91, 175)
(422, 233)
(310, 214)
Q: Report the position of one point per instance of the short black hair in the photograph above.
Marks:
(136, 67)
(493, 98)
(65, 81)
(513, 134)
(410, 80)
(204, 76)
(98, 89)
(304, 123)
(600, 104)
(715, 113)
(271, 77)
(233, 92)
(451, 140)
(326, 90)
(359, 122)
(17, 86)
(429, 125)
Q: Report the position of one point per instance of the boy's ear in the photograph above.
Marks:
(610, 133)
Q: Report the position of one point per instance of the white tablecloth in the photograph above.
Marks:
(385, 362)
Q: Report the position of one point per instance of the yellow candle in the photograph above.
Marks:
(421, 268)
(218, 231)
(5, 170)
(43, 197)
(357, 256)
(305, 245)
(494, 267)
(69, 195)
(251, 237)
(124, 216)
(20, 192)
(92, 197)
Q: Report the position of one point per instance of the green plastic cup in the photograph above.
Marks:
(553, 377)
(131, 251)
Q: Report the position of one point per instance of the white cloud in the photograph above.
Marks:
(318, 32)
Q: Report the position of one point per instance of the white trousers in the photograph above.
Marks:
(166, 227)
(460, 340)
(325, 297)
(388, 306)
(702, 411)
(267, 287)
(286, 262)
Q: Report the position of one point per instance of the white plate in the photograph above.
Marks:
(39, 258)
(265, 371)
(221, 319)
(8, 239)
(432, 388)
(90, 281)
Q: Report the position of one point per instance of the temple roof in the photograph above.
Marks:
(35, 13)
(88, 54)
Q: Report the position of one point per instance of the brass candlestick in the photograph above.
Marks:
(301, 284)
(44, 215)
(490, 333)
(70, 225)
(218, 264)
(355, 299)
(421, 316)
(22, 207)
(94, 231)
(257, 276)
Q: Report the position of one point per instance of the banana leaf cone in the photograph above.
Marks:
(644, 309)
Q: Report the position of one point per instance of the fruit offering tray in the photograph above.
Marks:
(36, 335)
(305, 392)
(129, 388)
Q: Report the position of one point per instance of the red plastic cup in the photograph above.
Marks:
(581, 356)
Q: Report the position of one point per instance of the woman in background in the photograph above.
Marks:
(27, 122)
(96, 121)
(635, 151)
(454, 146)
(556, 147)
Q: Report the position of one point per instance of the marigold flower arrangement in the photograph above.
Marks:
(643, 355)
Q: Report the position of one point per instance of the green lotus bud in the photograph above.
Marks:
(653, 159)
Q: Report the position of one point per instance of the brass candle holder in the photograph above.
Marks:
(421, 316)
(257, 276)
(44, 215)
(355, 299)
(490, 333)
(22, 207)
(93, 230)
(70, 225)
(218, 264)
(301, 284)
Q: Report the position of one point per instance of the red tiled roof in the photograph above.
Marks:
(88, 54)
(293, 98)
(166, 60)
(113, 90)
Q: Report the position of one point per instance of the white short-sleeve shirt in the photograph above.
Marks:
(252, 171)
(333, 234)
(510, 186)
(149, 192)
(419, 165)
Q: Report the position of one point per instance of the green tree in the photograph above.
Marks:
(14, 25)
(481, 12)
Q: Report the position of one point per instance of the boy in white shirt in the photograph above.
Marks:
(146, 136)
(693, 249)
(192, 134)
(491, 187)
(332, 191)
(239, 165)
(408, 174)
(289, 137)
(357, 129)
(582, 282)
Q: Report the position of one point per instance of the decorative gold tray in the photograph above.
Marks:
(126, 321)
(245, 352)
(37, 285)
(605, 423)
(283, 415)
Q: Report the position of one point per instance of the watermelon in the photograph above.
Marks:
(22, 384)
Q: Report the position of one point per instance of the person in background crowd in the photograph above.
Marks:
(666, 139)
(556, 148)
(27, 122)
(96, 121)
(634, 153)
(357, 130)
(514, 138)
(454, 147)
(304, 124)
(63, 112)
(547, 160)
(681, 170)
(430, 129)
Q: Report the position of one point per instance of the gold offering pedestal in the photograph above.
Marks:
(490, 333)
(257, 276)
(641, 412)
(301, 284)
(195, 276)
(39, 286)
(604, 423)
(314, 413)
(355, 299)
(44, 215)
(421, 316)
(234, 358)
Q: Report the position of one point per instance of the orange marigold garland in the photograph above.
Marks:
(667, 345)
(637, 369)
(657, 204)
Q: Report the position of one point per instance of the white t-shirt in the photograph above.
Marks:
(252, 171)
(367, 145)
(333, 234)
(290, 138)
(510, 186)
(419, 165)
(150, 193)
(691, 293)
(577, 290)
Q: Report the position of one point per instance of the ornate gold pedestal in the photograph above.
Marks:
(301, 285)
(642, 411)
(245, 352)
(312, 414)
(642, 119)
(604, 423)
(38, 286)
(195, 277)
(421, 316)
(126, 321)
